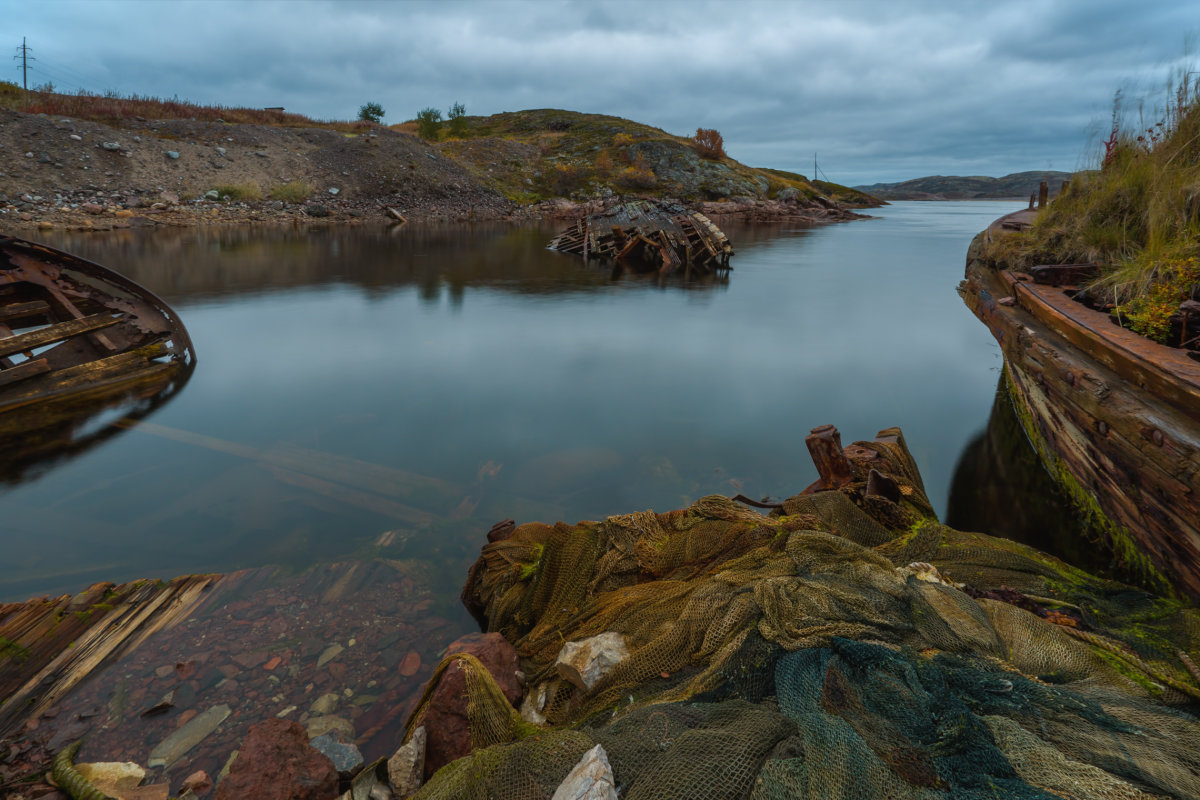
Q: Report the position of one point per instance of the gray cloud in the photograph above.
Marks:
(880, 90)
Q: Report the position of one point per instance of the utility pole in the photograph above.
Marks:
(23, 54)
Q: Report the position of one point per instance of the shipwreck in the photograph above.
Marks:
(77, 338)
(1114, 417)
(648, 236)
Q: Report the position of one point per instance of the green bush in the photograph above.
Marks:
(239, 191)
(292, 192)
(458, 119)
(429, 121)
(371, 112)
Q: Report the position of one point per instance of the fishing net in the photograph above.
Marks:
(843, 646)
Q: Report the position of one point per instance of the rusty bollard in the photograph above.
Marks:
(825, 447)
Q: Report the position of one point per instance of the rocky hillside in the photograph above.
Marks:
(1019, 185)
(539, 154)
(111, 169)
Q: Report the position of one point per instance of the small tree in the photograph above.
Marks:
(371, 112)
(429, 120)
(708, 143)
(458, 119)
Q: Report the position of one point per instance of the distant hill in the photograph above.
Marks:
(537, 154)
(1019, 185)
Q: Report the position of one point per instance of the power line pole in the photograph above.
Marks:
(23, 54)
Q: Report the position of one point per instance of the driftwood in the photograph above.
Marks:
(653, 236)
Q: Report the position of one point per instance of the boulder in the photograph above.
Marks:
(407, 766)
(275, 762)
(445, 719)
(585, 662)
(590, 779)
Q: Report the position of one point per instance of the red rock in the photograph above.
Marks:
(445, 718)
(273, 663)
(198, 782)
(410, 664)
(276, 763)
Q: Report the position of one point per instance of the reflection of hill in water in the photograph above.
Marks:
(197, 263)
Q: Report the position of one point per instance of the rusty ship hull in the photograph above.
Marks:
(1114, 417)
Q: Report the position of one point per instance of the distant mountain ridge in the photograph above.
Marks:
(973, 187)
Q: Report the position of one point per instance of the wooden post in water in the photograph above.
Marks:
(1043, 194)
(1032, 198)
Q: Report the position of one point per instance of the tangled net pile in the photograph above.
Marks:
(844, 646)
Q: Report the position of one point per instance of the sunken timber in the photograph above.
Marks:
(77, 338)
(1114, 417)
(649, 235)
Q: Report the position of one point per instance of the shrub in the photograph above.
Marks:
(239, 191)
(565, 178)
(291, 192)
(604, 164)
(429, 121)
(458, 119)
(708, 143)
(637, 175)
(371, 112)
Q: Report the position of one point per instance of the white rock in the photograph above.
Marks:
(585, 662)
(590, 779)
(408, 764)
(76, 137)
(534, 704)
(333, 190)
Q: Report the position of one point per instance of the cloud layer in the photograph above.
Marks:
(880, 91)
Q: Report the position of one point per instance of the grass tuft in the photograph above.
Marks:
(291, 192)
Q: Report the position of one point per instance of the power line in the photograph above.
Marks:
(23, 54)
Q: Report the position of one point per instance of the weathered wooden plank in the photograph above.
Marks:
(345, 494)
(31, 308)
(26, 369)
(1167, 372)
(55, 333)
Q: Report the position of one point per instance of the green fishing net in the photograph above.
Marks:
(840, 647)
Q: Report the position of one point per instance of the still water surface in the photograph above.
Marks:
(433, 381)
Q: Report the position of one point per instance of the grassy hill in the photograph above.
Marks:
(1019, 185)
(537, 154)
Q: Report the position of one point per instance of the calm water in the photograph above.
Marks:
(432, 381)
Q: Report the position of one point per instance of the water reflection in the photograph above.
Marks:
(187, 265)
(37, 438)
(343, 366)
(1000, 487)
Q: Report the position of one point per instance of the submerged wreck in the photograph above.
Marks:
(76, 338)
(649, 236)
(1115, 417)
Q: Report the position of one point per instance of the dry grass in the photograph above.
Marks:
(292, 192)
(1138, 215)
(113, 109)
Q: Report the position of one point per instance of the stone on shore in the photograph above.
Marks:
(407, 766)
(275, 762)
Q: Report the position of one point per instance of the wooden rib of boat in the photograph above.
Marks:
(1114, 417)
(651, 235)
(75, 337)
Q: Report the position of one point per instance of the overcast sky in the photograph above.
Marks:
(881, 91)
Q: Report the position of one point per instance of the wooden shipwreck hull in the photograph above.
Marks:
(1114, 416)
(75, 339)
(650, 236)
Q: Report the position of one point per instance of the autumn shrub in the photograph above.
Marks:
(604, 163)
(708, 143)
(565, 178)
(637, 175)
(291, 192)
